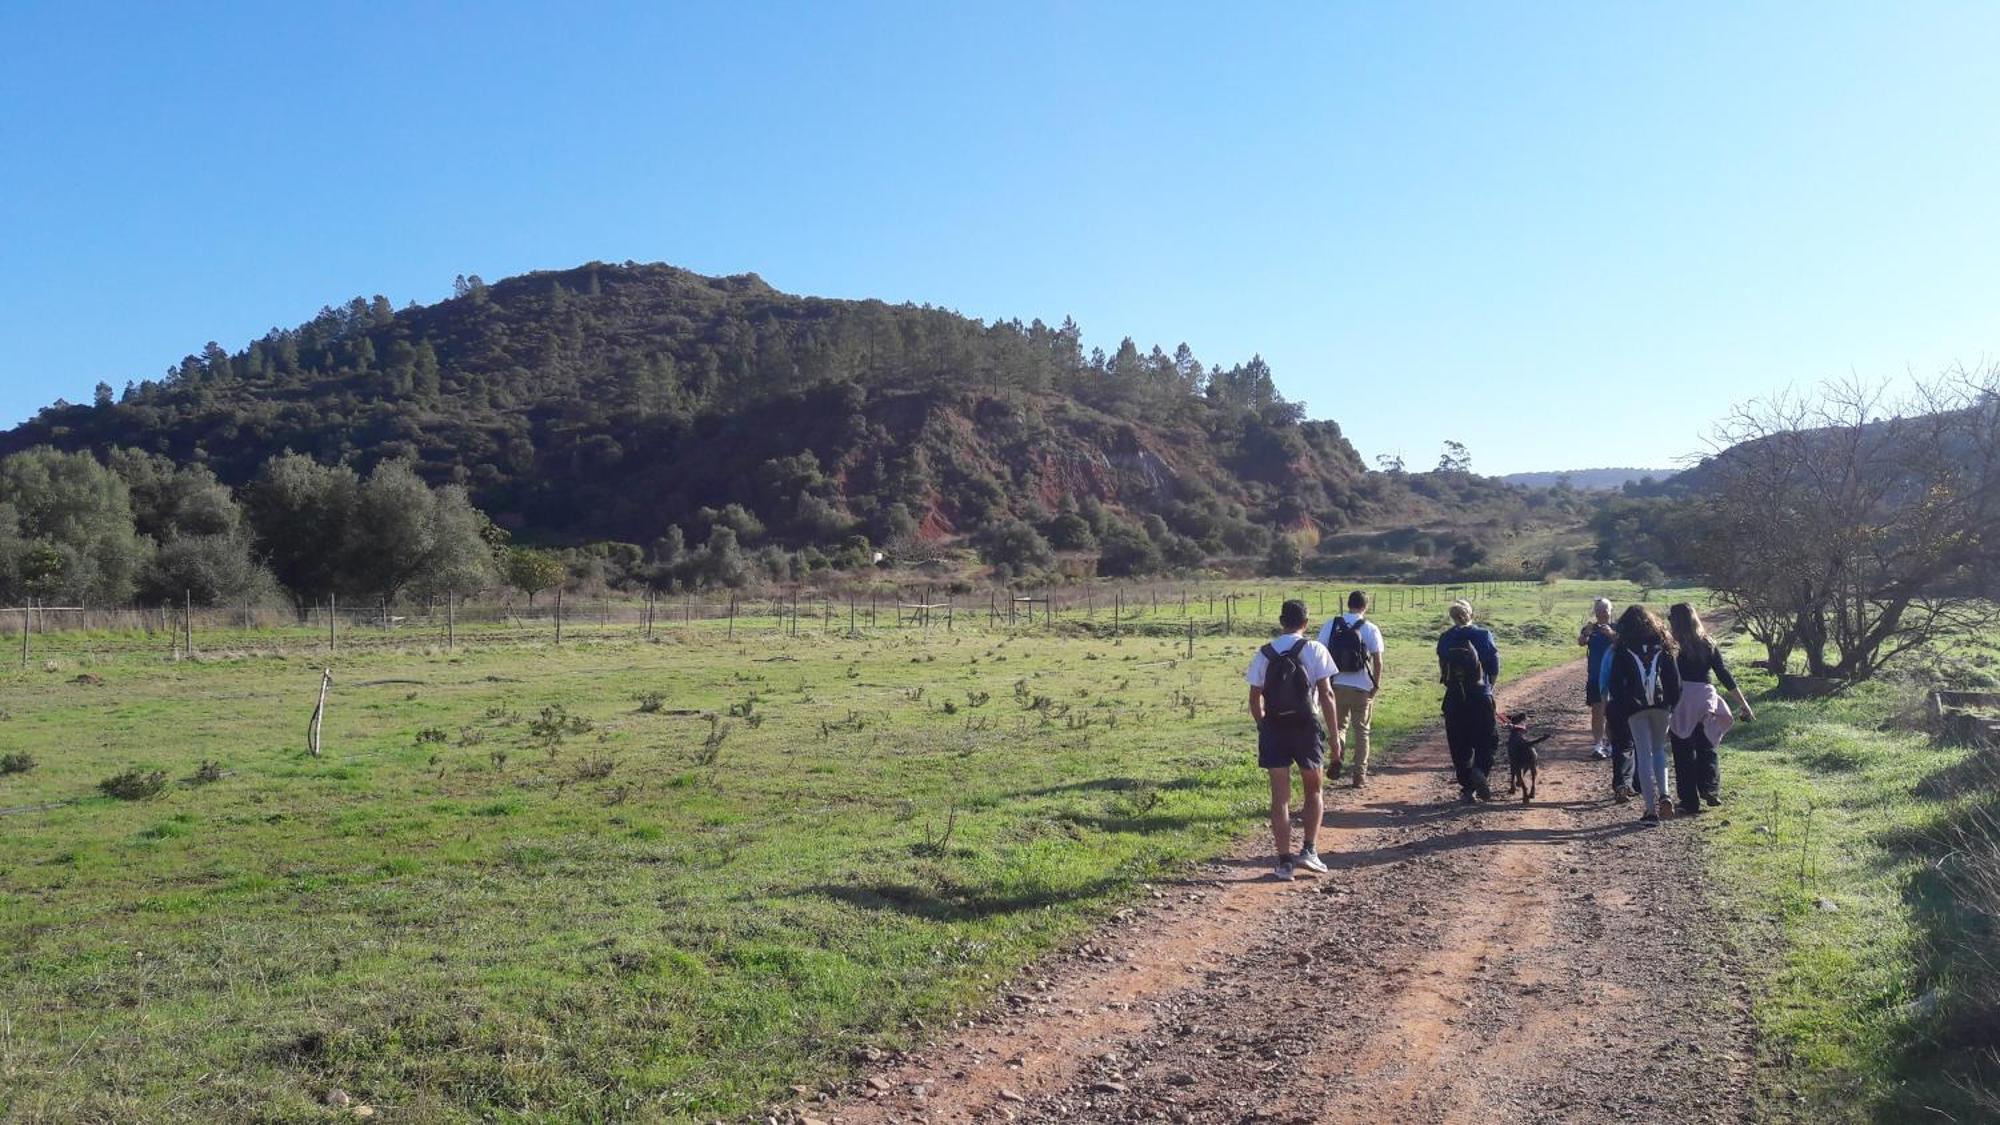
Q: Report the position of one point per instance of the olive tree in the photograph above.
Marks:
(1853, 527)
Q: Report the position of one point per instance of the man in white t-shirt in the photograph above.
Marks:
(1359, 677)
(1288, 683)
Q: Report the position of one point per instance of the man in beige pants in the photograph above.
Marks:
(1356, 645)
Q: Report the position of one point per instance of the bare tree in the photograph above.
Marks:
(1853, 528)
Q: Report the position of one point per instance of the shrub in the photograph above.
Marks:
(134, 784)
(206, 773)
(1645, 575)
(1016, 546)
(18, 762)
(597, 767)
(1285, 558)
(651, 701)
(1071, 532)
(1128, 552)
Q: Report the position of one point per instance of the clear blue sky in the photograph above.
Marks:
(1567, 236)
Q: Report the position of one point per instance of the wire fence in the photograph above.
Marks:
(47, 632)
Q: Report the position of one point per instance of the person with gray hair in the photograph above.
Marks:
(1597, 636)
(1468, 667)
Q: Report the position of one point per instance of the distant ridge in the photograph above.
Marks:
(1587, 480)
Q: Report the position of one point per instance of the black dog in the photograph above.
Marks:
(1522, 758)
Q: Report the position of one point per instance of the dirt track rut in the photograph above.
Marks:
(1550, 962)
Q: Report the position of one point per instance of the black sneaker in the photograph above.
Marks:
(1711, 799)
(1465, 797)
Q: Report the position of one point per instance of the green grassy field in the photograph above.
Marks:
(1833, 854)
(616, 880)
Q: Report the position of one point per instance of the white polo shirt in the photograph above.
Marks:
(1371, 642)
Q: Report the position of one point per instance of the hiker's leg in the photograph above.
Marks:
(1686, 772)
(1597, 709)
(1312, 781)
(1657, 720)
(1455, 740)
(1642, 751)
(1352, 707)
(1281, 810)
(1708, 766)
(1486, 738)
(1619, 730)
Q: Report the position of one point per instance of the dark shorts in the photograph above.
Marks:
(1592, 693)
(1284, 745)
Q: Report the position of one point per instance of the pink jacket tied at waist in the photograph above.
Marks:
(1702, 706)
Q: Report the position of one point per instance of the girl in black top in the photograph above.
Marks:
(1701, 717)
(1645, 687)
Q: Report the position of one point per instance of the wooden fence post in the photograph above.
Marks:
(319, 712)
(450, 620)
(558, 615)
(187, 621)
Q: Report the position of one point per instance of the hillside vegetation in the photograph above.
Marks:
(648, 406)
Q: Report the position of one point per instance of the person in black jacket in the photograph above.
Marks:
(1700, 717)
(1468, 667)
(1646, 684)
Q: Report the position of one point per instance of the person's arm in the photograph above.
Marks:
(1489, 656)
(1375, 672)
(1721, 670)
(1729, 683)
(1336, 750)
(1257, 705)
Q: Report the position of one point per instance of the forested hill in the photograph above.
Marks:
(618, 402)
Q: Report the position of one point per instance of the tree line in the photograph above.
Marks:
(138, 527)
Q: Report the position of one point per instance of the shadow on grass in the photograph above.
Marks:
(1147, 823)
(946, 905)
(1114, 785)
(1954, 903)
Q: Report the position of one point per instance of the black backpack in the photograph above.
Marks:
(1650, 686)
(1343, 641)
(1462, 673)
(1287, 687)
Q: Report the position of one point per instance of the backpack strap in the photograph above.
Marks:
(1649, 676)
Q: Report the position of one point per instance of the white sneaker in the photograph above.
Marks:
(1599, 752)
(1282, 872)
(1310, 860)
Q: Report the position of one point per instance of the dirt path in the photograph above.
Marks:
(1504, 962)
